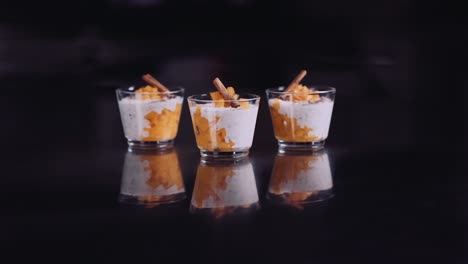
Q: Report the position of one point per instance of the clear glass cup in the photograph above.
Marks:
(301, 178)
(151, 119)
(224, 187)
(151, 179)
(223, 132)
(301, 120)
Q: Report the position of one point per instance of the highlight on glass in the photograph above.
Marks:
(150, 114)
(301, 114)
(224, 122)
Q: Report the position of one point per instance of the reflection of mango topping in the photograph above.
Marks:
(287, 128)
(287, 169)
(148, 92)
(220, 102)
(162, 126)
(207, 136)
(303, 93)
(209, 182)
(164, 170)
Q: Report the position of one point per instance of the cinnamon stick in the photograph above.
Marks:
(224, 92)
(296, 80)
(155, 83)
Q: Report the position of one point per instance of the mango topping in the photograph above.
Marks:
(147, 93)
(303, 93)
(220, 101)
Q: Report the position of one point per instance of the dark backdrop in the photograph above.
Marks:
(398, 66)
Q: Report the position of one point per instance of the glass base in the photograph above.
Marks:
(301, 198)
(284, 146)
(151, 200)
(209, 155)
(222, 212)
(150, 145)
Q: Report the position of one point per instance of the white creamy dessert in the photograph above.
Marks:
(134, 110)
(301, 174)
(315, 115)
(217, 187)
(138, 178)
(239, 123)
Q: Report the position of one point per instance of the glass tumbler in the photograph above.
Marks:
(301, 120)
(223, 132)
(150, 120)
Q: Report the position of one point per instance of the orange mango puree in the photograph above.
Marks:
(286, 128)
(164, 125)
(207, 136)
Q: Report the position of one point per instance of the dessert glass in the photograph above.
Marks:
(224, 187)
(299, 178)
(150, 179)
(150, 119)
(301, 120)
(223, 132)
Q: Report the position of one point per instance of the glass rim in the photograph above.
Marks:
(194, 99)
(323, 90)
(175, 91)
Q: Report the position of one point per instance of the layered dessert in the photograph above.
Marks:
(298, 178)
(224, 122)
(152, 178)
(150, 114)
(300, 114)
(223, 188)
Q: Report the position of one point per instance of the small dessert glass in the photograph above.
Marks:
(223, 132)
(150, 119)
(150, 179)
(300, 178)
(301, 120)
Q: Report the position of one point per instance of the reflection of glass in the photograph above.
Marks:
(224, 187)
(301, 178)
(151, 178)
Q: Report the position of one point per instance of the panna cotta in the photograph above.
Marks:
(150, 119)
(301, 121)
(223, 129)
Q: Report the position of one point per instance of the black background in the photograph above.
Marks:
(396, 141)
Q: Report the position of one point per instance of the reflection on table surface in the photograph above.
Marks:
(223, 188)
(151, 178)
(301, 178)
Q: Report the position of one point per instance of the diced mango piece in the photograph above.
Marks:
(217, 96)
(163, 125)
